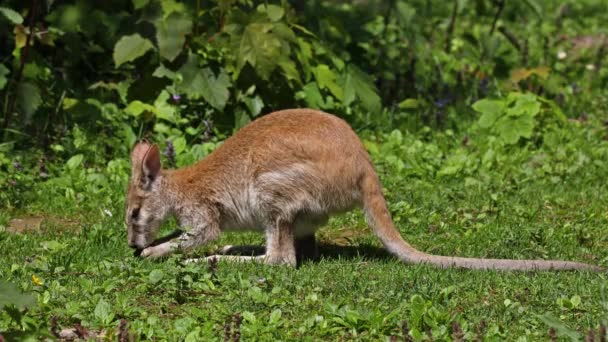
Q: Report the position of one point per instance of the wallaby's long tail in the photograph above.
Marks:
(380, 221)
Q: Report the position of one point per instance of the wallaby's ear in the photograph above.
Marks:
(145, 161)
(138, 153)
(150, 166)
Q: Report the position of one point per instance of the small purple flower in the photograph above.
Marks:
(442, 102)
(575, 88)
(483, 85)
(176, 97)
(17, 166)
(169, 152)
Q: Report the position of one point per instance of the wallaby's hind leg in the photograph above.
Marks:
(280, 244)
(280, 248)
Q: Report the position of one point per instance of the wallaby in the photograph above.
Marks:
(284, 174)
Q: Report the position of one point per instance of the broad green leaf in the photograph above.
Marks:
(284, 32)
(135, 108)
(510, 128)
(360, 84)
(189, 73)
(575, 300)
(349, 90)
(417, 307)
(184, 325)
(304, 54)
(241, 119)
(215, 89)
(198, 83)
(54, 245)
(275, 317)
(249, 316)
(21, 33)
(129, 48)
(274, 12)
(409, 104)
(137, 4)
(160, 127)
(74, 161)
(259, 47)
(11, 295)
(162, 71)
(312, 96)
(3, 73)
(162, 108)
(155, 276)
(194, 336)
(490, 111)
(525, 104)
(171, 6)
(128, 135)
(20, 36)
(12, 15)
(103, 312)
(326, 79)
(254, 104)
(179, 144)
(71, 18)
(289, 70)
(28, 98)
(171, 34)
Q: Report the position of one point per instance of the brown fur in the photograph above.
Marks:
(284, 174)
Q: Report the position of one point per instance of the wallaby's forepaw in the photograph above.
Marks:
(158, 251)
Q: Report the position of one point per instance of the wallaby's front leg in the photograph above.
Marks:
(199, 235)
(160, 250)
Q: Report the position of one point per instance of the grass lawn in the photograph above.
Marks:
(81, 270)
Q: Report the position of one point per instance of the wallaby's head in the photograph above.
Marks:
(145, 208)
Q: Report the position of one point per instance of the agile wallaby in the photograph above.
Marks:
(283, 174)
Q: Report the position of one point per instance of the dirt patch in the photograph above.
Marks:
(29, 224)
(24, 224)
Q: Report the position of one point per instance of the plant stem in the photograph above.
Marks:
(17, 79)
(500, 6)
(450, 31)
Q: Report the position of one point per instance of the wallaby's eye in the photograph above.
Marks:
(135, 214)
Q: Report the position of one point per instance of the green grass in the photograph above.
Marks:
(356, 290)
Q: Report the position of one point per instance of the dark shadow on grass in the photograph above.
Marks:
(331, 251)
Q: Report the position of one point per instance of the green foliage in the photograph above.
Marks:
(488, 133)
(11, 296)
(129, 48)
(510, 119)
